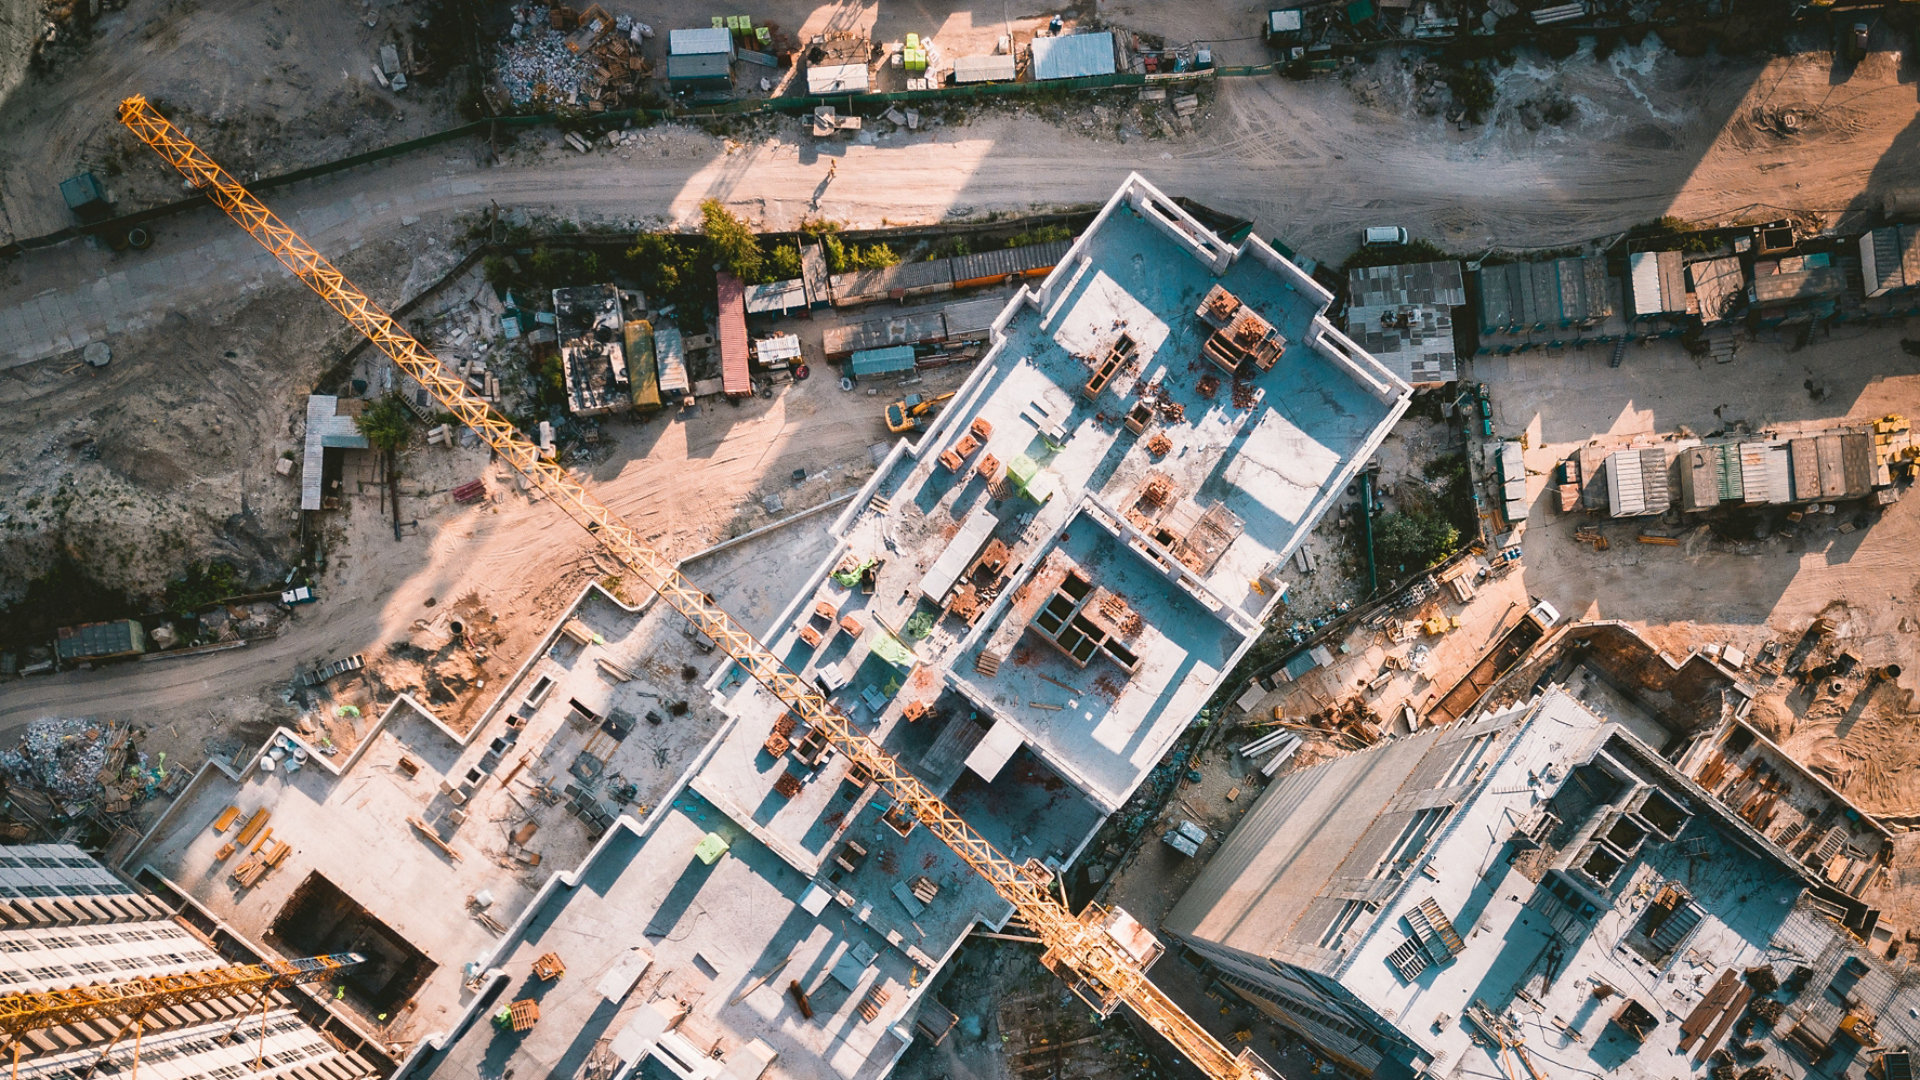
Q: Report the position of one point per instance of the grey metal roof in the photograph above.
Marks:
(1438, 282)
(325, 428)
(701, 66)
(1073, 56)
(700, 41)
(1559, 292)
(1302, 833)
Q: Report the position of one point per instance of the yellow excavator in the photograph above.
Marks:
(911, 411)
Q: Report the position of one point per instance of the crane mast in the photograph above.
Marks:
(35, 1009)
(1076, 947)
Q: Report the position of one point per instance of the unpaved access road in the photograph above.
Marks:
(1312, 162)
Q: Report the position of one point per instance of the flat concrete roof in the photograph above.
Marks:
(335, 820)
(709, 932)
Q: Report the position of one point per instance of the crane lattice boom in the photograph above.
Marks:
(35, 1009)
(1078, 948)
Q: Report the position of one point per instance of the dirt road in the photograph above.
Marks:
(1313, 162)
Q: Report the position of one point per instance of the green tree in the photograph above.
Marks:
(386, 423)
(657, 261)
(1411, 542)
(734, 246)
(784, 263)
(875, 257)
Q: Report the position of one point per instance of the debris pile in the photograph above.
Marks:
(555, 56)
(65, 767)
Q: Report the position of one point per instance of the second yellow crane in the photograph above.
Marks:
(1095, 963)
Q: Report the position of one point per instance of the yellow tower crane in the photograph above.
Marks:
(1102, 969)
(132, 999)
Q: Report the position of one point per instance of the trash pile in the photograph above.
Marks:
(65, 767)
(555, 56)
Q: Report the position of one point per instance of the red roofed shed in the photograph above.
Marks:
(733, 337)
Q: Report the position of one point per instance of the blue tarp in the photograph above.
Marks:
(887, 361)
(1073, 56)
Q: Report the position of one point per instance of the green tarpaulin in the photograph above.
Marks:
(888, 648)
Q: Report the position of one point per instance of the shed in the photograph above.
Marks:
(641, 366)
(1805, 457)
(1657, 283)
(1719, 285)
(1699, 478)
(1073, 56)
(981, 69)
(734, 378)
(777, 297)
(972, 318)
(777, 351)
(891, 360)
(700, 41)
(990, 267)
(825, 79)
(327, 429)
(671, 351)
(101, 640)
(1881, 265)
(704, 70)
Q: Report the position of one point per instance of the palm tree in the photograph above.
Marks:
(388, 426)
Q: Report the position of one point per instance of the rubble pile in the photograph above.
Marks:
(64, 767)
(555, 56)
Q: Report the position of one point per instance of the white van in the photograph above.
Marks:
(1383, 236)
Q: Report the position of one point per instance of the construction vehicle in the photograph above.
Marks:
(1098, 952)
(909, 413)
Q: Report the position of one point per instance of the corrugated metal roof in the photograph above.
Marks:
(1856, 460)
(1438, 282)
(777, 296)
(1653, 480)
(733, 335)
(1806, 470)
(977, 69)
(117, 638)
(1732, 487)
(907, 277)
(671, 351)
(1833, 473)
(707, 66)
(1658, 285)
(973, 318)
(1811, 283)
(837, 79)
(1753, 473)
(838, 341)
(1779, 473)
(325, 428)
(1626, 497)
(1003, 261)
(1910, 254)
(699, 41)
(1880, 268)
(1073, 56)
(887, 361)
(1718, 286)
(1699, 478)
(813, 271)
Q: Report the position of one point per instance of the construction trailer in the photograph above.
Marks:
(112, 640)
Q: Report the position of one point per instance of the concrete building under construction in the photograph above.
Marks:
(66, 921)
(1025, 607)
(1552, 886)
